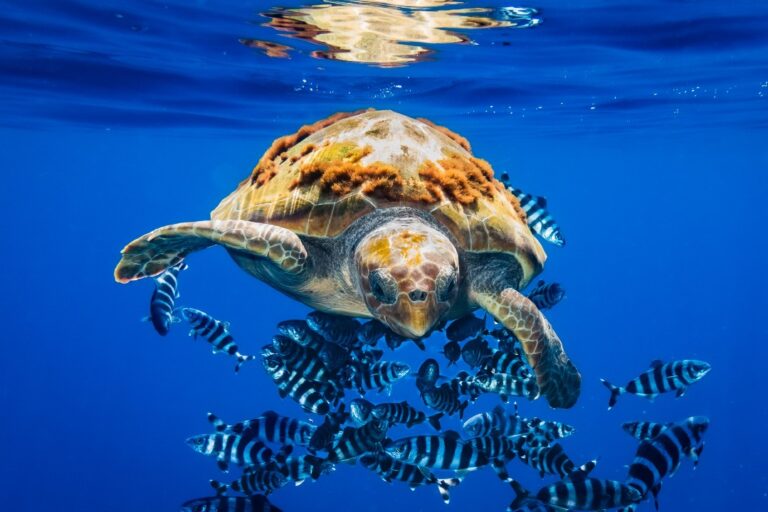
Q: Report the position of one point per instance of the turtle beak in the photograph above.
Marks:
(414, 319)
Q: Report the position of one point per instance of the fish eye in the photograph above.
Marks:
(445, 283)
(383, 286)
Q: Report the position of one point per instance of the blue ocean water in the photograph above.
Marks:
(643, 123)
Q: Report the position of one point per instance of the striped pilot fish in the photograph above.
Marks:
(509, 362)
(661, 378)
(379, 376)
(444, 451)
(355, 442)
(338, 329)
(498, 422)
(306, 467)
(402, 413)
(328, 432)
(427, 376)
(309, 394)
(464, 384)
(255, 480)
(452, 352)
(255, 503)
(551, 460)
(300, 359)
(539, 219)
(271, 427)
(506, 385)
(163, 302)
(544, 432)
(546, 295)
(661, 456)
(644, 430)
(579, 492)
(299, 331)
(371, 332)
(414, 476)
(215, 332)
(468, 326)
(445, 399)
(475, 352)
(242, 449)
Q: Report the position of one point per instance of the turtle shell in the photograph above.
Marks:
(319, 180)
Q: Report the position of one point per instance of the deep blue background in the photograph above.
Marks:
(645, 125)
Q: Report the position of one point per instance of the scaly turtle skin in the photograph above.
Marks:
(375, 214)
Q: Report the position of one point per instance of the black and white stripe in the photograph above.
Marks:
(546, 295)
(644, 430)
(299, 469)
(661, 378)
(404, 413)
(255, 503)
(214, 332)
(511, 363)
(242, 449)
(580, 492)
(498, 422)
(379, 376)
(464, 384)
(310, 395)
(338, 329)
(414, 476)
(270, 427)
(163, 301)
(547, 460)
(662, 455)
(446, 451)
(256, 480)
(445, 399)
(506, 385)
(355, 442)
(538, 217)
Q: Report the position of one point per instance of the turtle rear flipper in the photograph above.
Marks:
(164, 247)
(558, 379)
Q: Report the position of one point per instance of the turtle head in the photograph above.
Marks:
(408, 275)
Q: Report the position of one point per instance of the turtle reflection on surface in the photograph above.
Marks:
(389, 32)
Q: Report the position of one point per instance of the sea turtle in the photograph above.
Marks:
(375, 214)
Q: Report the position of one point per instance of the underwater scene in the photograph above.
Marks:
(382, 255)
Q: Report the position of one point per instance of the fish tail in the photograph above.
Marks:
(434, 420)
(521, 495)
(462, 407)
(241, 359)
(615, 392)
(444, 486)
(219, 487)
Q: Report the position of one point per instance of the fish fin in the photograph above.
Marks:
(655, 490)
(680, 392)
(504, 397)
(657, 363)
(282, 392)
(242, 359)
(217, 423)
(283, 453)
(462, 408)
(444, 486)
(298, 482)
(587, 467)
(222, 463)
(434, 420)
(521, 495)
(451, 434)
(146, 318)
(420, 343)
(500, 468)
(615, 392)
(219, 487)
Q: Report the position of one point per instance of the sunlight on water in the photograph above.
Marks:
(387, 32)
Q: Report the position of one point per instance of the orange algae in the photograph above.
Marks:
(464, 180)
(266, 169)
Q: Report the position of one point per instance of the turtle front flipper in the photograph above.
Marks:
(164, 247)
(558, 379)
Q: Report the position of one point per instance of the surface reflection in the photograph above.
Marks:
(390, 32)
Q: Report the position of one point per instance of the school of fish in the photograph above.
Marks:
(333, 369)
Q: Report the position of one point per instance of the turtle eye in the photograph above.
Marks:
(383, 286)
(445, 283)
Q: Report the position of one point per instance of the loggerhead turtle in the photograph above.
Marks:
(375, 214)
